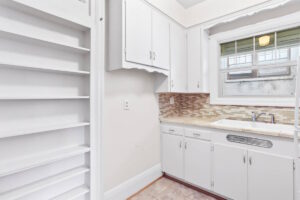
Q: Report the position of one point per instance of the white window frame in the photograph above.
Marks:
(269, 26)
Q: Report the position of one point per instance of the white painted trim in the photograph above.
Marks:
(271, 4)
(275, 24)
(134, 184)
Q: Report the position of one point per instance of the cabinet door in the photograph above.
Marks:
(198, 163)
(230, 171)
(138, 32)
(178, 59)
(269, 177)
(160, 41)
(194, 59)
(172, 155)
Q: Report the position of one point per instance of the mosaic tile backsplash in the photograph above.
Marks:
(197, 105)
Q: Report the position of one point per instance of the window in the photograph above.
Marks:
(263, 65)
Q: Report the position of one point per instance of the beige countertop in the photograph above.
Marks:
(209, 123)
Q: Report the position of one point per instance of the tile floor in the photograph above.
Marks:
(166, 189)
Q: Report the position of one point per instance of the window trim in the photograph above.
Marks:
(269, 26)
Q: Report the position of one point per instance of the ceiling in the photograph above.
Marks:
(189, 3)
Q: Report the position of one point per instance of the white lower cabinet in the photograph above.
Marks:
(197, 162)
(172, 155)
(269, 176)
(238, 172)
(230, 171)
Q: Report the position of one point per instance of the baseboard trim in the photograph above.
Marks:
(135, 184)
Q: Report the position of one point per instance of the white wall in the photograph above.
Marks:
(211, 9)
(131, 138)
(171, 8)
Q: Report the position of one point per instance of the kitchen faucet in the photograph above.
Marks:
(255, 116)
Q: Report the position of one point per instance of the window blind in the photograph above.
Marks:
(288, 37)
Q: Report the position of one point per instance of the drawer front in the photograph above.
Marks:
(197, 134)
(175, 130)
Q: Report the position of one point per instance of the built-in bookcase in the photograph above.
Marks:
(46, 69)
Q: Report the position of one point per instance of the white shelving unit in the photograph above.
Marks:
(44, 98)
(35, 39)
(41, 129)
(48, 101)
(22, 164)
(39, 185)
(73, 194)
(43, 69)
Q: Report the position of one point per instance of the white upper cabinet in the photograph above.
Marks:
(230, 171)
(138, 37)
(178, 59)
(160, 40)
(194, 59)
(197, 61)
(138, 32)
(197, 164)
(269, 177)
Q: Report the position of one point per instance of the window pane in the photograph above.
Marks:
(245, 45)
(288, 37)
(282, 71)
(241, 75)
(228, 48)
(265, 41)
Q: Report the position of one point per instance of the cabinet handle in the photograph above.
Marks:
(198, 85)
(244, 159)
(154, 55)
(180, 144)
(196, 134)
(250, 161)
(150, 53)
(185, 145)
(171, 130)
(172, 83)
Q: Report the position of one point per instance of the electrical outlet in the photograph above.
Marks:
(172, 100)
(126, 105)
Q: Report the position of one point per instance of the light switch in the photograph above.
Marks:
(126, 105)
